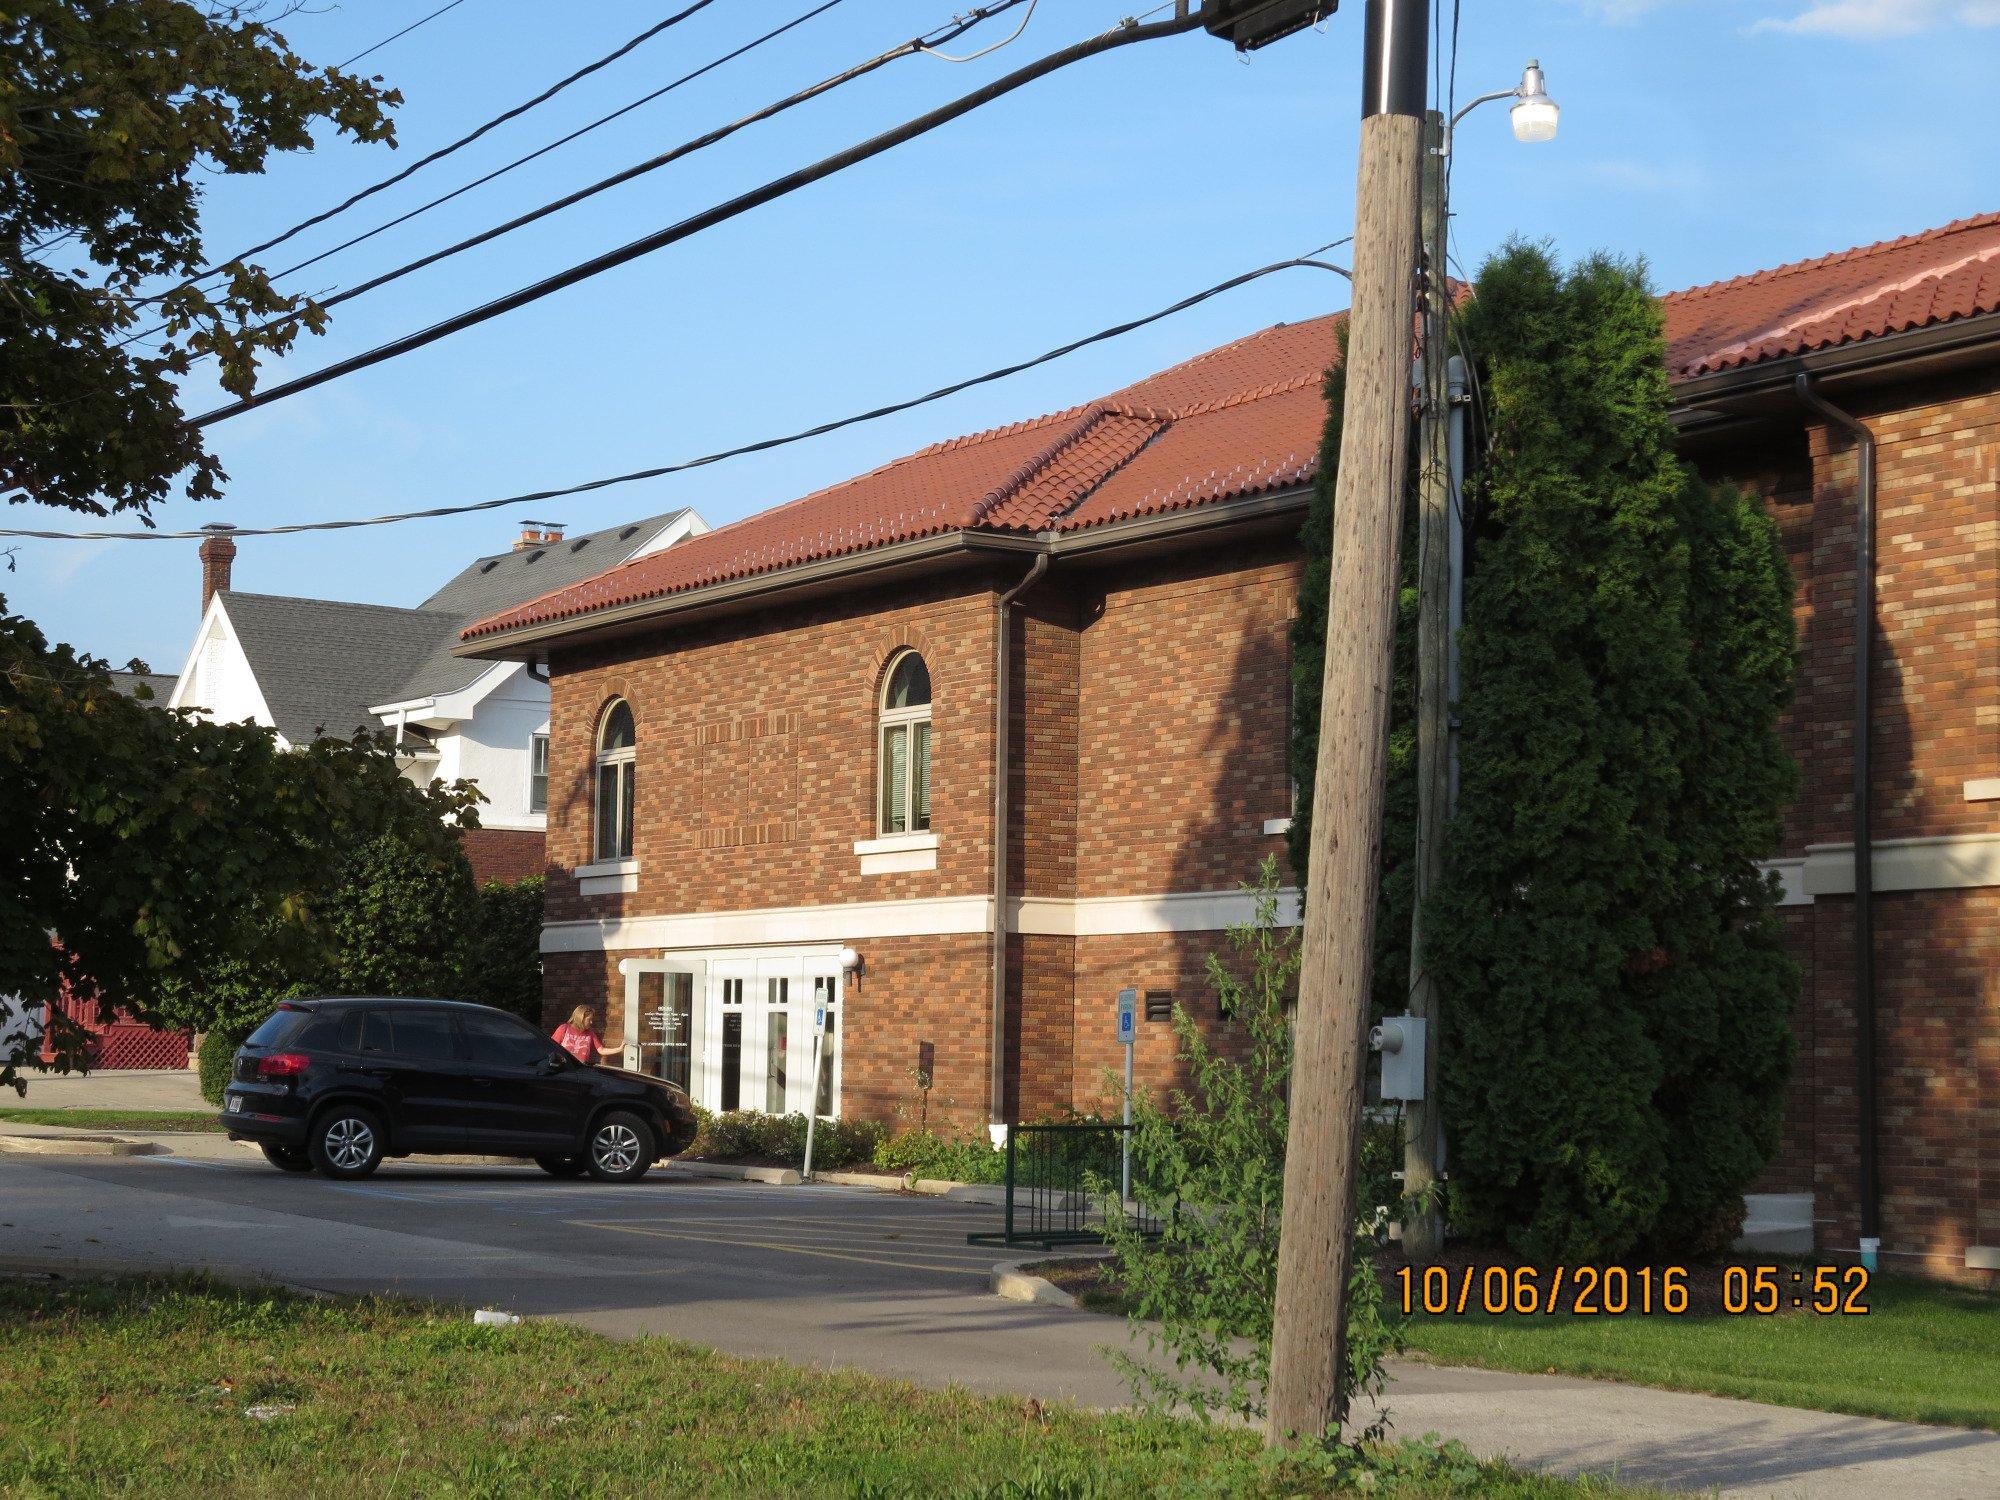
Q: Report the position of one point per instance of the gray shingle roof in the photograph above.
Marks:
(162, 684)
(322, 664)
(509, 578)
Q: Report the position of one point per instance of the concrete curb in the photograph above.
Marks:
(960, 1192)
(77, 1145)
(881, 1182)
(776, 1176)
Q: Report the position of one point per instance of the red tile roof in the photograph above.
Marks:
(1935, 277)
(1245, 419)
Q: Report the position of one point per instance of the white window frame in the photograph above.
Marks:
(888, 720)
(538, 748)
(619, 763)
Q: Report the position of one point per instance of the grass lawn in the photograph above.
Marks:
(187, 1388)
(1924, 1352)
(115, 1119)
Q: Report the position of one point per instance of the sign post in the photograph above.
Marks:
(812, 1088)
(1128, 1033)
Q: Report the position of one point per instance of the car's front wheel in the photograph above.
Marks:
(563, 1166)
(346, 1141)
(288, 1158)
(621, 1147)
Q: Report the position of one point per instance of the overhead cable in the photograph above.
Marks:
(461, 143)
(760, 446)
(778, 187)
(398, 35)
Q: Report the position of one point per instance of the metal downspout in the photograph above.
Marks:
(1002, 711)
(1864, 857)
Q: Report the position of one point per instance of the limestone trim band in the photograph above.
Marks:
(1951, 862)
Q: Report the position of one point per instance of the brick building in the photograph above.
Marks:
(775, 775)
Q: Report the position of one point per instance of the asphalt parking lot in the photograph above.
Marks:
(821, 1274)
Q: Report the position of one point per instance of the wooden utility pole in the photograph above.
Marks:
(1316, 1243)
(1423, 1224)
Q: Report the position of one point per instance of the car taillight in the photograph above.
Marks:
(283, 1065)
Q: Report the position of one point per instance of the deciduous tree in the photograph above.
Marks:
(146, 851)
(110, 113)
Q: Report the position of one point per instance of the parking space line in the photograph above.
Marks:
(900, 1264)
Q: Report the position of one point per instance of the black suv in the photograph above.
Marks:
(338, 1084)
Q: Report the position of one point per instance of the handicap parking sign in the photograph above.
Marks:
(1128, 1017)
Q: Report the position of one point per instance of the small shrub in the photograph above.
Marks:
(213, 1059)
(925, 1153)
(1209, 1167)
(780, 1140)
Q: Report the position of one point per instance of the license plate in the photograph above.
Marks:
(235, 1104)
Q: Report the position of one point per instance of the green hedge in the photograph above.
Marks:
(213, 1058)
(927, 1153)
(780, 1140)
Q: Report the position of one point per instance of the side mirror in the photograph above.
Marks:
(555, 1062)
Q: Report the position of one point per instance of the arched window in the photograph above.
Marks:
(905, 759)
(617, 750)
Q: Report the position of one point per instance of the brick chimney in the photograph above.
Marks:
(217, 553)
(538, 534)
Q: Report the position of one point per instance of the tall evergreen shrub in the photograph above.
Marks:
(1616, 995)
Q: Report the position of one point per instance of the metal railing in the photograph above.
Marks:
(1061, 1180)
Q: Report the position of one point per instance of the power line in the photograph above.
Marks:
(762, 445)
(503, 171)
(1118, 36)
(583, 130)
(394, 35)
(463, 141)
(957, 26)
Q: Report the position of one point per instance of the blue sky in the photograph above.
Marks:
(1711, 137)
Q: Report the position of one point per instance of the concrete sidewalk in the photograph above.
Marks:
(176, 1088)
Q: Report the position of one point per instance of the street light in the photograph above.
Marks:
(1535, 115)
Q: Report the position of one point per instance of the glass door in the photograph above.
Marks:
(661, 1018)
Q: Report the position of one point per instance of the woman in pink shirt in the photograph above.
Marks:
(579, 1038)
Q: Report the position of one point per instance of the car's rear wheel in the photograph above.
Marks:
(620, 1147)
(346, 1141)
(563, 1166)
(288, 1158)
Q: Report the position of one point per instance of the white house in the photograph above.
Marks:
(314, 667)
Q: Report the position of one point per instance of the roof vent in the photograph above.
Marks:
(489, 565)
(579, 544)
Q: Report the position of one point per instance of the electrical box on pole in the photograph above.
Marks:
(1251, 24)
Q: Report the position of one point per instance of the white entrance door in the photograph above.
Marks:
(757, 1034)
(663, 1017)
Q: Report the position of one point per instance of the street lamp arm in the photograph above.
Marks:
(1513, 93)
